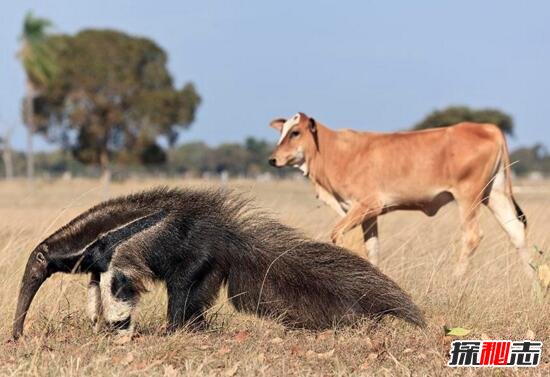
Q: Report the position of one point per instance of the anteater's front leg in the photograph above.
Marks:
(94, 301)
(119, 299)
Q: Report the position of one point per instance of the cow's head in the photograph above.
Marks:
(297, 142)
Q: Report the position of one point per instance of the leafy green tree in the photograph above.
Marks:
(258, 154)
(152, 154)
(113, 98)
(248, 158)
(39, 63)
(456, 114)
(529, 159)
(230, 157)
(195, 158)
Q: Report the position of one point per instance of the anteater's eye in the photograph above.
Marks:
(294, 134)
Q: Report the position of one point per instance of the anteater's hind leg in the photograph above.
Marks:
(190, 294)
(95, 308)
(119, 299)
(501, 203)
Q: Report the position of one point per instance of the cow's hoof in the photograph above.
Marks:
(373, 259)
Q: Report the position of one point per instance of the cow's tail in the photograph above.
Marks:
(506, 165)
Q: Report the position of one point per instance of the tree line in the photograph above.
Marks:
(197, 159)
(193, 159)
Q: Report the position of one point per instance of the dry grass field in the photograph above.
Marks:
(493, 301)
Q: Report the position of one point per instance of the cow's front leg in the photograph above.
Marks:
(94, 307)
(370, 236)
(119, 299)
(329, 199)
(357, 214)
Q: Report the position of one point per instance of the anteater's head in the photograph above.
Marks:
(297, 142)
(84, 245)
(37, 271)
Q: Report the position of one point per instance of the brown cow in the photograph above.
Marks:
(364, 174)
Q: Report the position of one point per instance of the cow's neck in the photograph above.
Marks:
(320, 163)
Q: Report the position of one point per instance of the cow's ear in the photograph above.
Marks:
(277, 123)
(312, 126)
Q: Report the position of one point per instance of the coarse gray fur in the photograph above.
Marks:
(197, 240)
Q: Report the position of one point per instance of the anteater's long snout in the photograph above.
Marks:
(35, 274)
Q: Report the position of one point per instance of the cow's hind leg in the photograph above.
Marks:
(471, 234)
(511, 219)
(370, 236)
(94, 301)
(119, 298)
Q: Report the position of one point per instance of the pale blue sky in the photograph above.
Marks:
(361, 64)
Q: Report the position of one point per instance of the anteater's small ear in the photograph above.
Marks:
(277, 123)
(312, 126)
(40, 258)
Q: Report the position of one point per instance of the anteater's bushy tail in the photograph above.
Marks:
(274, 271)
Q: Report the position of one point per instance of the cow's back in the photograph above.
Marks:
(418, 163)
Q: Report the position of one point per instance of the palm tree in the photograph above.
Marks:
(38, 61)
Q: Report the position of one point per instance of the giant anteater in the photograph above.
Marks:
(195, 241)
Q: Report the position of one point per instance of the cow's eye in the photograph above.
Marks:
(294, 134)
